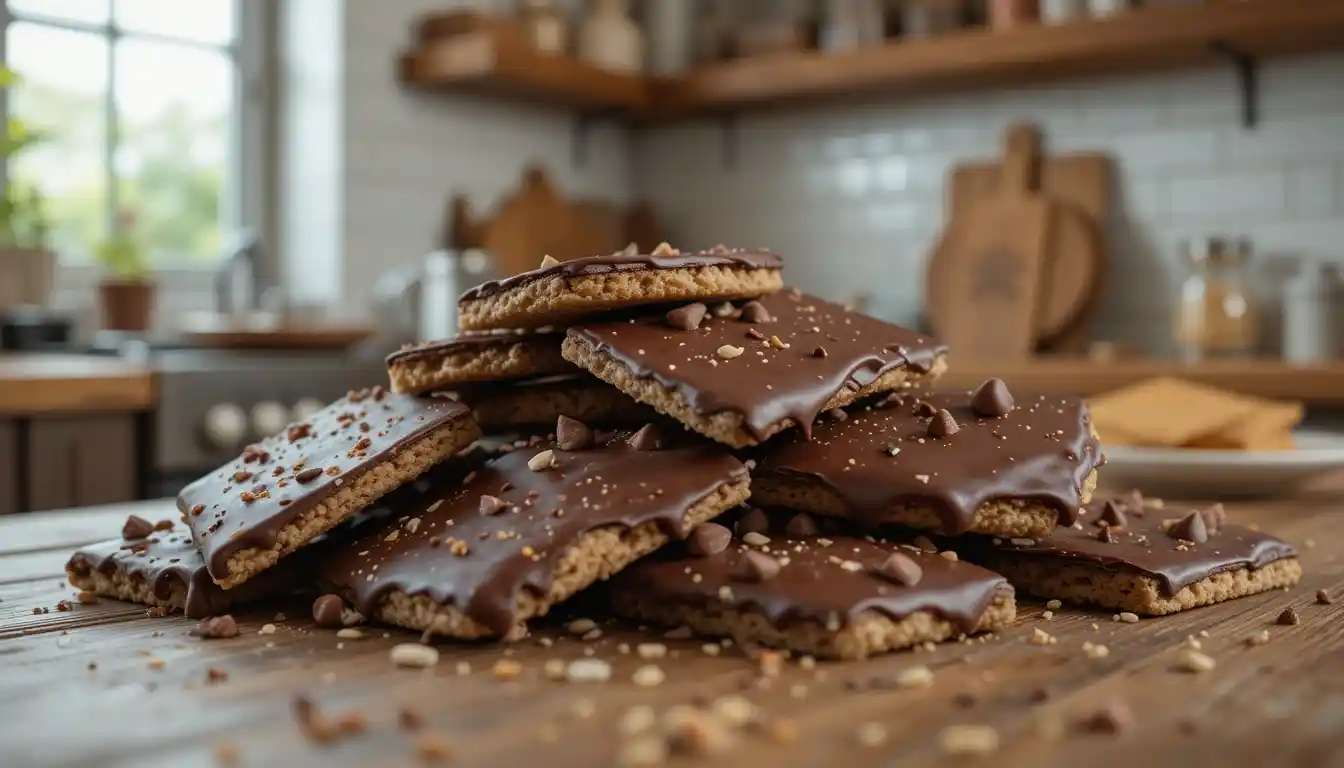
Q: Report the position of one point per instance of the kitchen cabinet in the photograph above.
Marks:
(78, 461)
(9, 467)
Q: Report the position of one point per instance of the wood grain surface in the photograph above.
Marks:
(44, 384)
(81, 687)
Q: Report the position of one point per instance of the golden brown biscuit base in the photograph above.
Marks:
(403, 467)
(1134, 592)
(870, 633)
(1008, 518)
(518, 358)
(726, 427)
(118, 585)
(506, 409)
(559, 300)
(597, 556)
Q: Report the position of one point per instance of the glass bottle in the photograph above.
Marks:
(1216, 315)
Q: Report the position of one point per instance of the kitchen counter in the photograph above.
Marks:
(47, 384)
(1316, 384)
(79, 687)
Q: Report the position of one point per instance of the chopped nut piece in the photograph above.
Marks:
(542, 461)
(872, 735)
(216, 627)
(756, 539)
(349, 633)
(1323, 596)
(266, 629)
(1096, 651)
(915, 677)
(970, 740)
(735, 710)
(1041, 637)
(1194, 661)
(414, 655)
(507, 669)
(433, 747)
(1129, 618)
(588, 671)
(580, 626)
(636, 720)
(728, 351)
(549, 261)
(651, 650)
(1054, 605)
(648, 676)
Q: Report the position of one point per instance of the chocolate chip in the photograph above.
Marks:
(992, 400)
(136, 527)
(925, 409)
(327, 611)
(308, 475)
(1111, 514)
(943, 425)
(492, 505)
(837, 414)
(1131, 500)
(893, 400)
(801, 526)
(724, 309)
(819, 352)
(755, 312)
(1190, 528)
(754, 521)
(687, 318)
(1215, 517)
(756, 567)
(648, 438)
(1324, 597)
(901, 569)
(1289, 617)
(572, 434)
(708, 539)
(754, 334)
(216, 628)
(1105, 536)
(1039, 695)
(1112, 718)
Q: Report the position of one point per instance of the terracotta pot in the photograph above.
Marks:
(128, 305)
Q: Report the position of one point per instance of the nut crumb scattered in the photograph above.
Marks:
(414, 655)
(1195, 661)
(969, 740)
(648, 676)
(872, 735)
(915, 677)
(1128, 618)
(651, 650)
(588, 671)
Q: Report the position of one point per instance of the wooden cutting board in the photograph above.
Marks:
(991, 257)
(1071, 275)
(1082, 181)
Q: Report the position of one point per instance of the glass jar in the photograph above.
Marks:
(1216, 316)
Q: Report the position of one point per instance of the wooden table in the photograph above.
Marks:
(56, 384)
(78, 687)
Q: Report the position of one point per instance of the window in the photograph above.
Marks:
(141, 120)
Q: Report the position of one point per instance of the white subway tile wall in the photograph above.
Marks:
(852, 195)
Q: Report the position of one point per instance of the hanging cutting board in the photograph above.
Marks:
(992, 257)
(1082, 181)
(1070, 278)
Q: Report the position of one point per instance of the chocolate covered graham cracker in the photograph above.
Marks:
(1123, 556)
(478, 356)
(158, 565)
(561, 292)
(532, 527)
(284, 491)
(739, 374)
(532, 403)
(835, 597)
(941, 462)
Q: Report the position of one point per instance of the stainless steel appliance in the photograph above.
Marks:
(419, 302)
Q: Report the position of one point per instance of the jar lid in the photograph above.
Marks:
(1218, 249)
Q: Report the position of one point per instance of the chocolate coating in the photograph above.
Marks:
(765, 384)
(813, 585)
(623, 261)
(1043, 450)
(1144, 547)
(480, 563)
(344, 440)
(470, 341)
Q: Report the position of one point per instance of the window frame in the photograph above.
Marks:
(243, 204)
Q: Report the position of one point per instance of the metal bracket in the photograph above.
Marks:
(728, 139)
(1248, 77)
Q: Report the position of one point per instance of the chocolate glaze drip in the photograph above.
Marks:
(341, 442)
(766, 384)
(1144, 547)
(1043, 451)
(469, 341)
(480, 563)
(813, 584)
(628, 262)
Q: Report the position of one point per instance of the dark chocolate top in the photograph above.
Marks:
(472, 341)
(1043, 451)
(162, 559)
(459, 547)
(769, 381)
(246, 503)
(625, 261)
(1144, 546)
(828, 580)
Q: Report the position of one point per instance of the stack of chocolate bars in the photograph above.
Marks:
(732, 456)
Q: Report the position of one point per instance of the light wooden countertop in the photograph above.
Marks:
(44, 384)
(1316, 384)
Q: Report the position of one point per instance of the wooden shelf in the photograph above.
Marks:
(33, 384)
(1138, 41)
(497, 66)
(1320, 384)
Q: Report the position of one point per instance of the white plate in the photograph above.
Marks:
(1205, 474)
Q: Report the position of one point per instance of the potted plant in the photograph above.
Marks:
(126, 292)
(27, 265)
